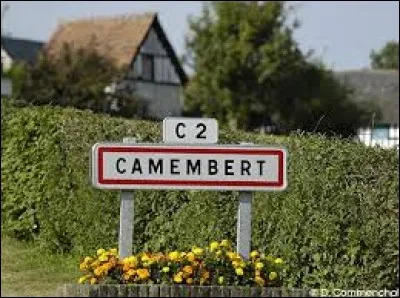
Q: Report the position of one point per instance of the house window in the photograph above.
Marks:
(148, 67)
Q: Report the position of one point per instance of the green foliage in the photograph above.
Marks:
(387, 57)
(249, 72)
(77, 78)
(336, 225)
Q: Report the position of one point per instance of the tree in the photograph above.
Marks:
(78, 78)
(250, 72)
(387, 57)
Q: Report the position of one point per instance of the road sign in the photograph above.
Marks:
(212, 167)
(190, 130)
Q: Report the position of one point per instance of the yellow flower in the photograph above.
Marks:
(173, 256)
(131, 261)
(87, 260)
(259, 265)
(225, 243)
(254, 254)
(93, 280)
(230, 255)
(238, 264)
(190, 257)
(188, 270)
(178, 278)
(145, 258)
(218, 253)
(239, 271)
(258, 272)
(98, 271)
(103, 258)
(183, 254)
(206, 275)
(278, 261)
(114, 251)
(259, 280)
(143, 273)
(221, 280)
(197, 251)
(82, 266)
(100, 251)
(82, 279)
(214, 245)
(165, 269)
(131, 272)
(189, 281)
(273, 275)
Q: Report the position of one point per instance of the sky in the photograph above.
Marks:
(342, 33)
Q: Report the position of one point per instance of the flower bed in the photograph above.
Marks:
(217, 264)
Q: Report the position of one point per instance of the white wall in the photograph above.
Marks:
(6, 87)
(365, 136)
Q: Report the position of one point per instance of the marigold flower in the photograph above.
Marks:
(82, 279)
(206, 275)
(259, 265)
(254, 254)
(239, 271)
(214, 245)
(197, 251)
(190, 257)
(88, 260)
(278, 261)
(189, 281)
(131, 272)
(273, 275)
(93, 280)
(188, 270)
(258, 272)
(114, 251)
(218, 253)
(259, 280)
(221, 280)
(100, 251)
(83, 266)
(173, 256)
(178, 278)
(98, 271)
(103, 258)
(143, 273)
(145, 258)
(225, 243)
(165, 269)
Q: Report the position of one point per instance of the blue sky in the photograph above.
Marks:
(342, 32)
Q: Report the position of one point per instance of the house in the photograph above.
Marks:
(18, 50)
(381, 86)
(138, 45)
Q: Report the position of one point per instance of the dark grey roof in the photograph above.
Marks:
(382, 86)
(21, 49)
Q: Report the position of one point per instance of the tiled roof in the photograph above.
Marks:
(21, 49)
(117, 38)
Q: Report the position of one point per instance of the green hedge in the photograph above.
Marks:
(336, 225)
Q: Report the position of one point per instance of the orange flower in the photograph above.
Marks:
(189, 281)
(188, 270)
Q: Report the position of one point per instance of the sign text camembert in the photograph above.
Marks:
(149, 166)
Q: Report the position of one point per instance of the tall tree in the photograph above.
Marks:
(387, 57)
(249, 71)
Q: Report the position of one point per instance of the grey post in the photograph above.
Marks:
(126, 218)
(243, 235)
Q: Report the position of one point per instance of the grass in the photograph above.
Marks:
(28, 272)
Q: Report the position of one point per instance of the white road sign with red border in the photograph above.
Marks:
(208, 167)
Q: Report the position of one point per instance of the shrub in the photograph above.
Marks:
(216, 264)
(336, 225)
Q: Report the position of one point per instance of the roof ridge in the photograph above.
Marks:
(116, 17)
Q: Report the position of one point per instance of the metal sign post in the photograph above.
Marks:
(243, 227)
(126, 217)
(243, 235)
